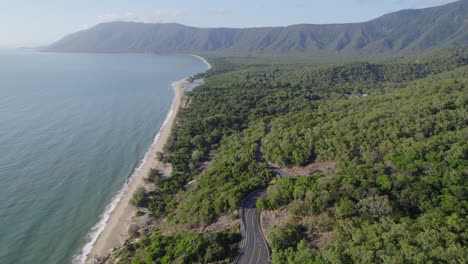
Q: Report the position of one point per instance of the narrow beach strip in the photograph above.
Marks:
(112, 228)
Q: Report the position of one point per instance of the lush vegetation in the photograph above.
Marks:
(234, 173)
(398, 192)
(182, 248)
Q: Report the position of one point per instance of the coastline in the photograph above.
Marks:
(112, 228)
(202, 59)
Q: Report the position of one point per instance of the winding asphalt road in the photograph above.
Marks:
(254, 246)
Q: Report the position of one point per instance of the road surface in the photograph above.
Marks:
(254, 249)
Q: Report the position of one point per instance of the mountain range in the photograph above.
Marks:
(405, 31)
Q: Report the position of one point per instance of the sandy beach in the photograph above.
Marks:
(202, 59)
(115, 229)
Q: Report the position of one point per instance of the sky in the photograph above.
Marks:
(36, 22)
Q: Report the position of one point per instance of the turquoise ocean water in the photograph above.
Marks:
(73, 127)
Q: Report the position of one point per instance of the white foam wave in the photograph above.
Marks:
(99, 227)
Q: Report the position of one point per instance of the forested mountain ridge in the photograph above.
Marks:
(399, 32)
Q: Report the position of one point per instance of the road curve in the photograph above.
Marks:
(254, 248)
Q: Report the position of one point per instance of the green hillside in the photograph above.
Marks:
(405, 31)
(398, 188)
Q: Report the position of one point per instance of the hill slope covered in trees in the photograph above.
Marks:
(397, 193)
(403, 31)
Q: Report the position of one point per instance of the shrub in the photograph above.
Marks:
(133, 231)
(139, 213)
(139, 197)
(153, 176)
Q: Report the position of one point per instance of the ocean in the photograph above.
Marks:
(73, 128)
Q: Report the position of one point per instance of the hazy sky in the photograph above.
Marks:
(37, 22)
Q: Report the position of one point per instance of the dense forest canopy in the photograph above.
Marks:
(397, 132)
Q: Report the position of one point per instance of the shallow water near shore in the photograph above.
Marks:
(73, 127)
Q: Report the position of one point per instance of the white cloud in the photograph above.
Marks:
(154, 17)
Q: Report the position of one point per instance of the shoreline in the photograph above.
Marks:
(202, 59)
(111, 230)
